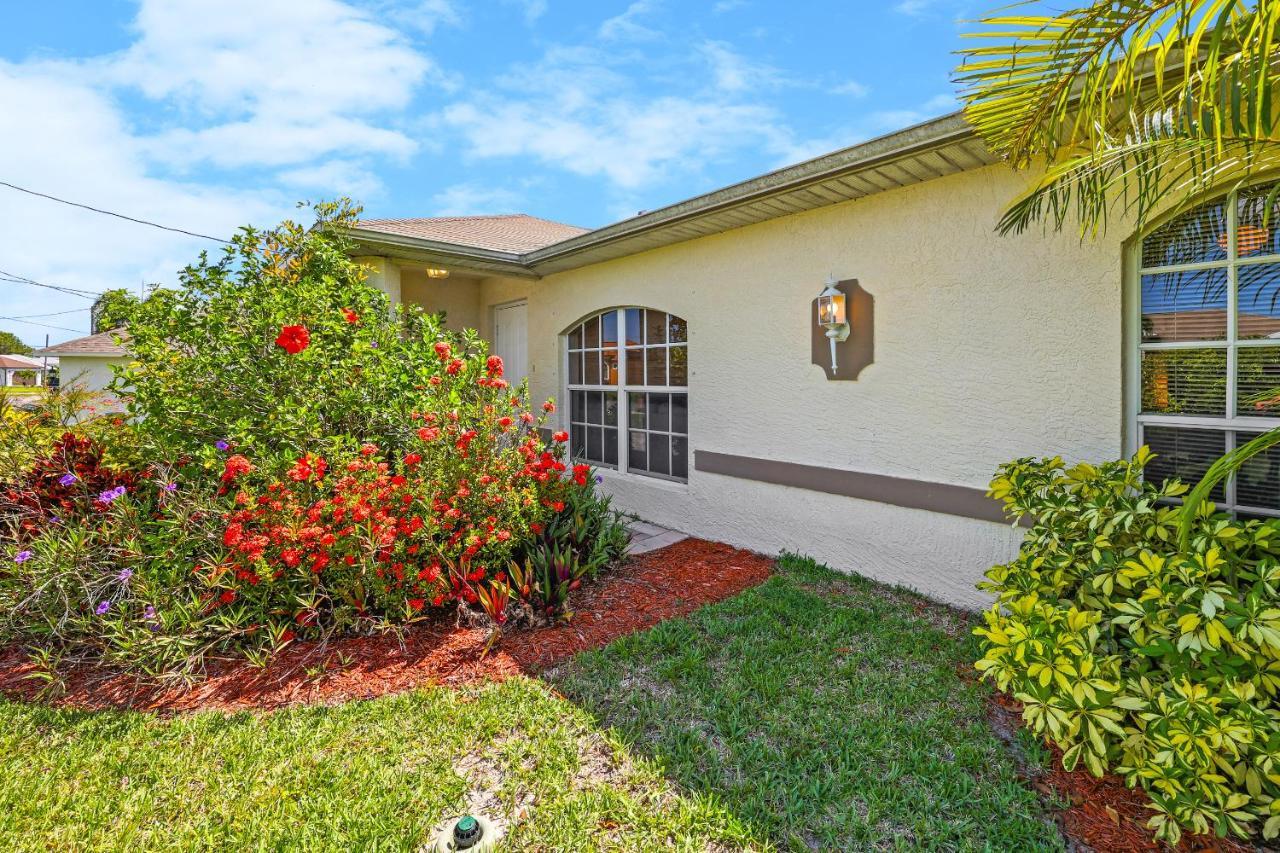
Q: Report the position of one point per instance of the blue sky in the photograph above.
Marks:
(209, 115)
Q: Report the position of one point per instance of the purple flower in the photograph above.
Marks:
(374, 345)
(599, 479)
(55, 519)
(221, 444)
(67, 479)
(124, 575)
(22, 556)
(111, 494)
(102, 608)
(149, 616)
(171, 487)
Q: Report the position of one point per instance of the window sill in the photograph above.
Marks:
(616, 476)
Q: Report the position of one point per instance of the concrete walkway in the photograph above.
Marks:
(646, 537)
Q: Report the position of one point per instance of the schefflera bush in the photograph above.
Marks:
(1134, 658)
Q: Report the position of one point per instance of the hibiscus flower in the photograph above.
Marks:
(350, 316)
(293, 339)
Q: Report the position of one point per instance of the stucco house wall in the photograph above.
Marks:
(92, 373)
(987, 348)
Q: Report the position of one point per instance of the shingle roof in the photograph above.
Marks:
(515, 233)
(19, 362)
(103, 343)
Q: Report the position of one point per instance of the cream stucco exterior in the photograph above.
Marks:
(987, 348)
(92, 373)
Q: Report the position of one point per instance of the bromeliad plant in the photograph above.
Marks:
(1136, 657)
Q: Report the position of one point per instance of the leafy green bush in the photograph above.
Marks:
(281, 347)
(297, 460)
(1135, 658)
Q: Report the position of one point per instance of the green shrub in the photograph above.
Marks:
(297, 460)
(1134, 658)
(281, 347)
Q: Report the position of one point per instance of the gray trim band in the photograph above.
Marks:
(964, 501)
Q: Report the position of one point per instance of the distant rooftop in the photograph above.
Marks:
(103, 343)
(12, 361)
(516, 233)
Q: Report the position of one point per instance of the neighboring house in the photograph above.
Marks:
(87, 362)
(21, 371)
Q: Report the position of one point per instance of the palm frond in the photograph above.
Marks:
(1098, 92)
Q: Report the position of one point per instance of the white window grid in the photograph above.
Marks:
(1237, 429)
(623, 389)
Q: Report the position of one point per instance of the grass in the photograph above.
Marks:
(814, 712)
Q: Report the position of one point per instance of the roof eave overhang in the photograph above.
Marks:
(916, 154)
(465, 259)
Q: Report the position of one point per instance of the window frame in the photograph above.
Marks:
(624, 391)
(1231, 424)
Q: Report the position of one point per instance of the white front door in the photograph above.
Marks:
(511, 340)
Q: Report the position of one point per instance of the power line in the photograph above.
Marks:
(113, 213)
(19, 279)
(44, 325)
(51, 314)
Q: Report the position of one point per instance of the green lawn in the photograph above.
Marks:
(814, 712)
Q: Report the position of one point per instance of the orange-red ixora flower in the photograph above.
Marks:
(561, 436)
(293, 339)
(350, 316)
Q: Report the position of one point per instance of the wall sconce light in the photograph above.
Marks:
(832, 316)
(437, 273)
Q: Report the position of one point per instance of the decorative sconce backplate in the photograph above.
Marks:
(858, 351)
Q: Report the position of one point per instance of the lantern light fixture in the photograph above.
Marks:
(832, 316)
(433, 272)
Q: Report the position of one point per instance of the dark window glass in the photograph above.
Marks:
(655, 327)
(610, 446)
(1185, 382)
(1195, 237)
(578, 406)
(678, 329)
(595, 443)
(680, 413)
(595, 407)
(592, 333)
(1258, 480)
(579, 436)
(1183, 454)
(1256, 226)
(659, 453)
(635, 334)
(610, 408)
(609, 375)
(575, 337)
(656, 373)
(638, 458)
(660, 412)
(637, 407)
(679, 456)
(635, 367)
(575, 368)
(1258, 381)
(609, 330)
(591, 375)
(679, 357)
(1186, 305)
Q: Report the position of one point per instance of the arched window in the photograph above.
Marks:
(1207, 327)
(628, 403)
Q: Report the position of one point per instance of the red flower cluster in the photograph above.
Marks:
(350, 316)
(293, 339)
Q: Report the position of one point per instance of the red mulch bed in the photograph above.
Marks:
(1103, 814)
(659, 585)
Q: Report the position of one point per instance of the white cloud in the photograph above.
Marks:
(76, 145)
(852, 88)
(627, 27)
(334, 178)
(727, 6)
(266, 80)
(423, 15)
(474, 200)
(735, 73)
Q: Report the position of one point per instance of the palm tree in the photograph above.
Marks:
(1131, 107)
